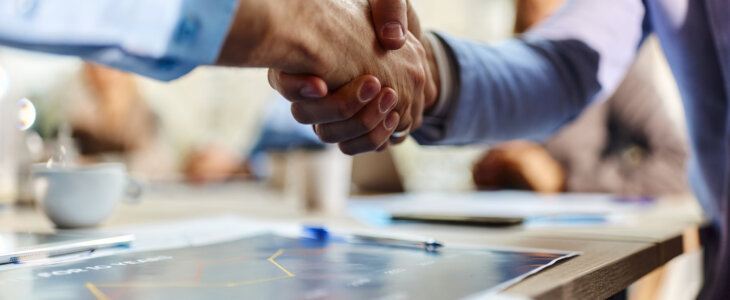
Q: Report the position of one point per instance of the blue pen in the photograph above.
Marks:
(430, 245)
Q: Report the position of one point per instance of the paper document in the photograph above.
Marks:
(531, 206)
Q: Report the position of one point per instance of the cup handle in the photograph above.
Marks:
(134, 191)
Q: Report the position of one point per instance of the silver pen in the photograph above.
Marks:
(321, 233)
(430, 244)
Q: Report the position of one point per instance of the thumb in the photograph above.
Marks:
(391, 22)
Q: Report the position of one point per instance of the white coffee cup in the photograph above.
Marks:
(83, 196)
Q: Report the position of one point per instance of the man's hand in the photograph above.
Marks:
(349, 118)
(393, 19)
(364, 122)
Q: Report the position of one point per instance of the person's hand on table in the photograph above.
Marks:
(213, 163)
(521, 165)
(371, 111)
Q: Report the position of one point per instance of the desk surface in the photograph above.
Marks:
(612, 257)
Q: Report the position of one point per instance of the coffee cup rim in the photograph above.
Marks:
(107, 166)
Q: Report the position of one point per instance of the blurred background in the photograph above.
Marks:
(219, 125)
(207, 127)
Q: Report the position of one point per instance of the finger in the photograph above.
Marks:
(405, 124)
(428, 93)
(414, 122)
(417, 115)
(297, 87)
(391, 22)
(373, 140)
(397, 140)
(363, 122)
(417, 109)
(341, 105)
(410, 121)
(414, 23)
(411, 110)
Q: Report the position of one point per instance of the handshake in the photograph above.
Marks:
(361, 72)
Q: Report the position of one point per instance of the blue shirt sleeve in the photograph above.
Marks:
(162, 39)
(529, 87)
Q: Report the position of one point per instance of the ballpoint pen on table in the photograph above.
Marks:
(429, 244)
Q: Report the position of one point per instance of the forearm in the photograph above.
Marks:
(245, 37)
(272, 34)
(531, 86)
(296, 37)
(512, 90)
(162, 39)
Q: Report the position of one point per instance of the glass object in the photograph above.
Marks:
(8, 141)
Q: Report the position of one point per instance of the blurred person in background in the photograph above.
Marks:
(627, 145)
(212, 163)
(110, 119)
(277, 133)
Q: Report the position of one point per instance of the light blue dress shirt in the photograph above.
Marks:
(162, 39)
(528, 87)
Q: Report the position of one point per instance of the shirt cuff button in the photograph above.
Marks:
(187, 30)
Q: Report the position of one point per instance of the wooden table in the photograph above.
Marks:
(612, 257)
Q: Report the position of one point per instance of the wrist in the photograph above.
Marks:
(246, 34)
(433, 83)
(332, 39)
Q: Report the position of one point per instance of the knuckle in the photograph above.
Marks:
(300, 114)
(405, 123)
(403, 106)
(372, 142)
(421, 50)
(273, 79)
(417, 122)
(289, 96)
(419, 76)
(326, 135)
(347, 149)
(347, 108)
(365, 123)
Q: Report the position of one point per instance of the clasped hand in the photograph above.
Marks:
(359, 92)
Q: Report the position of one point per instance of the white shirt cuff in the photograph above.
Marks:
(446, 75)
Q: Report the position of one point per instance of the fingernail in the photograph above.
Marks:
(392, 30)
(391, 121)
(368, 91)
(389, 100)
(309, 91)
